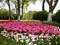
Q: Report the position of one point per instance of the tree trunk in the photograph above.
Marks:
(50, 14)
(18, 3)
(8, 2)
(43, 5)
(16, 6)
(22, 7)
(50, 17)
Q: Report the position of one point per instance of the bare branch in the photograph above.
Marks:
(48, 1)
(55, 4)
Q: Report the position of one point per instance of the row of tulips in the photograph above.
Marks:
(30, 27)
(33, 33)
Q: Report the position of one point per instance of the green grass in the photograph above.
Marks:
(31, 20)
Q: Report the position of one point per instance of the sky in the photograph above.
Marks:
(38, 6)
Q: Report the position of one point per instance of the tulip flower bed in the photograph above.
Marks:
(31, 33)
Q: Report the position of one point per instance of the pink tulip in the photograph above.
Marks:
(30, 27)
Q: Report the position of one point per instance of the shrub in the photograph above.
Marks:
(25, 16)
(4, 14)
(41, 15)
(13, 16)
(52, 23)
(57, 16)
(53, 17)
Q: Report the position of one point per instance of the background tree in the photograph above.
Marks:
(52, 4)
(8, 3)
(26, 3)
(18, 3)
(43, 5)
(23, 1)
(16, 6)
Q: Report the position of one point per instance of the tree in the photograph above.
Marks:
(8, 3)
(52, 4)
(21, 4)
(23, 1)
(16, 7)
(26, 2)
(43, 5)
(3, 4)
(18, 3)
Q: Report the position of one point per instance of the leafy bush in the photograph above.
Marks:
(52, 23)
(57, 16)
(53, 17)
(41, 15)
(13, 16)
(4, 14)
(25, 16)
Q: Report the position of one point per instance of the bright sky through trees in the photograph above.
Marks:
(38, 6)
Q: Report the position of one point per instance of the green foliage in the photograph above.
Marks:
(25, 16)
(52, 23)
(4, 14)
(41, 15)
(13, 16)
(57, 16)
(0, 0)
(53, 17)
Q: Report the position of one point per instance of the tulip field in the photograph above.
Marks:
(29, 33)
